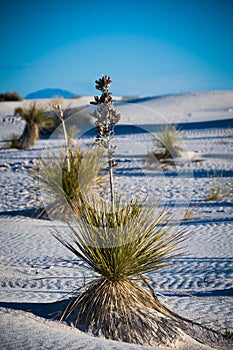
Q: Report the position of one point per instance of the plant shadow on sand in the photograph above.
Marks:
(33, 213)
(44, 310)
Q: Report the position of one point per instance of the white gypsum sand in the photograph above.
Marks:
(198, 286)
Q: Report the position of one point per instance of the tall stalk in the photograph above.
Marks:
(106, 118)
(60, 115)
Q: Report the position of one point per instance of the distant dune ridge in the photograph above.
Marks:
(174, 108)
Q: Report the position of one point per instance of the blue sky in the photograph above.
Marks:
(148, 47)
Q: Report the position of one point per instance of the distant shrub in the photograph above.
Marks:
(167, 144)
(219, 191)
(10, 96)
(34, 117)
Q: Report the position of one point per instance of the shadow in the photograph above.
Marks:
(212, 173)
(45, 310)
(125, 129)
(200, 294)
(218, 155)
(34, 213)
(210, 204)
(211, 124)
(197, 221)
(214, 293)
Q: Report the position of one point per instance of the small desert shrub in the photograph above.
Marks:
(34, 117)
(219, 191)
(70, 189)
(10, 96)
(167, 144)
(189, 214)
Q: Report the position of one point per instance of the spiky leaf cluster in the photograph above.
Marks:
(124, 243)
(72, 187)
(34, 114)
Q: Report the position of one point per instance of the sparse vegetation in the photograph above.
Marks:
(219, 191)
(189, 214)
(71, 188)
(34, 117)
(10, 96)
(167, 144)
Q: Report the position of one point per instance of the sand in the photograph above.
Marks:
(198, 286)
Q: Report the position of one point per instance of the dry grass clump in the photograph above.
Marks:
(219, 191)
(70, 188)
(34, 117)
(167, 144)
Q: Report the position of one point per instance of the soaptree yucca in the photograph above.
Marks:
(34, 117)
(121, 246)
(121, 241)
(69, 188)
(68, 179)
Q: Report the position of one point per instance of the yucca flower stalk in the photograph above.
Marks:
(60, 114)
(106, 117)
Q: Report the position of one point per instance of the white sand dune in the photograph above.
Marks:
(198, 286)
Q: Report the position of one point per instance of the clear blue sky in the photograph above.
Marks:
(148, 47)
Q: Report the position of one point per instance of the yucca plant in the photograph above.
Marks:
(34, 117)
(167, 144)
(70, 188)
(120, 241)
(121, 246)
